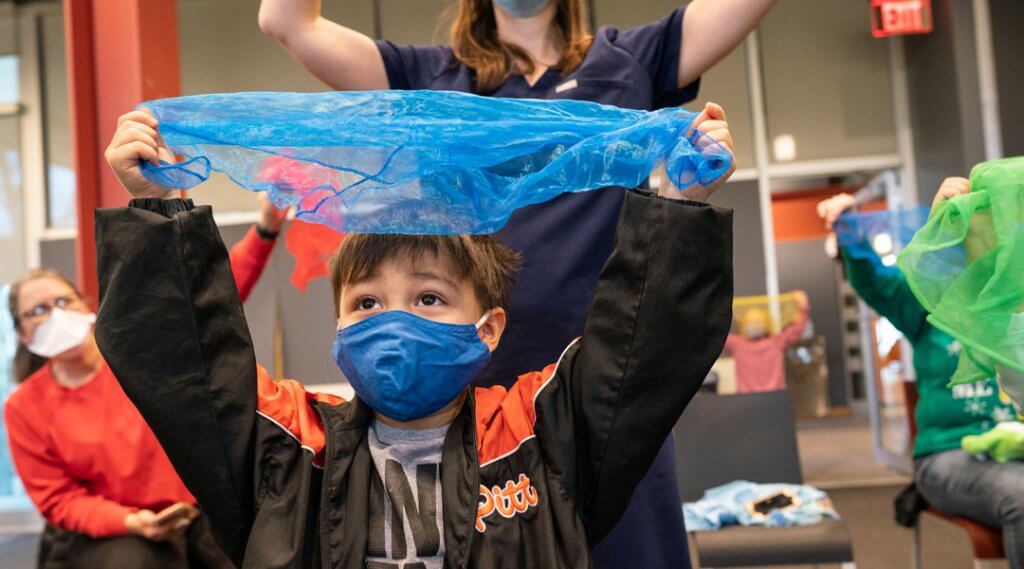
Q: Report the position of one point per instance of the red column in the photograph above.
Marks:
(119, 54)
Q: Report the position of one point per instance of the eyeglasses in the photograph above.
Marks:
(45, 308)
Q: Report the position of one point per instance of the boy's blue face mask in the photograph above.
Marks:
(406, 367)
(522, 8)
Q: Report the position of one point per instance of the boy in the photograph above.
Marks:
(418, 471)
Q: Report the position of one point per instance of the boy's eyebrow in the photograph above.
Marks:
(425, 275)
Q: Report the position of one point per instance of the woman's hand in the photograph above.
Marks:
(135, 140)
(271, 219)
(712, 125)
(951, 187)
(143, 523)
(833, 207)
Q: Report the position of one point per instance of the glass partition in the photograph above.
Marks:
(60, 174)
(12, 231)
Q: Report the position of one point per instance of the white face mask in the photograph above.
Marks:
(61, 331)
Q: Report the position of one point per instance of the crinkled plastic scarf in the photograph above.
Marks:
(966, 266)
(878, 236)
(423, 162)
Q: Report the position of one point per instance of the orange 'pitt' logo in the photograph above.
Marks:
(514, 498)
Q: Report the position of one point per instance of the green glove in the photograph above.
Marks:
(1003, 443)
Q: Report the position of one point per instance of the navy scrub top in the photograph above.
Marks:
(565, 242)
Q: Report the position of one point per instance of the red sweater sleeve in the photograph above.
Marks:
(248, 259)
(61, 499)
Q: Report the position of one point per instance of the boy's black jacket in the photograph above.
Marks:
(532, 476)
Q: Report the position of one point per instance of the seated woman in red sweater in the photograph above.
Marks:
(86, 457)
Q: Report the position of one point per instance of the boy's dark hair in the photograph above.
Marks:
(489, 265)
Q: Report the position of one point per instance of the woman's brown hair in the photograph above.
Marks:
(474, 38)
(25, 362)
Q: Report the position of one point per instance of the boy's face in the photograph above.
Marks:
(424, 287)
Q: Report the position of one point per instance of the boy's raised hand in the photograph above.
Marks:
(951, 187)
(135, 140)
(829, 210)
(714, 127)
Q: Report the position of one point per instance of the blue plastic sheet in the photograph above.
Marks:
(423, 161)
(879, 236)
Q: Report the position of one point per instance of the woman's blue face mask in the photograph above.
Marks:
(522, 8)
(406, 367)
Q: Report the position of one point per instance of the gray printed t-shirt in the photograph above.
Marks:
(406, 517)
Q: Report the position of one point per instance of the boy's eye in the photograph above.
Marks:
(367, 303)
(430, 299)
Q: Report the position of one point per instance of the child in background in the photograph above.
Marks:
(952, 480)
(419, 470)
(760, 356)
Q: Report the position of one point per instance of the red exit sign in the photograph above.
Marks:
(900, 17)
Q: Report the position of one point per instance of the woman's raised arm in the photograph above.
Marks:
(341, 57)
(712, 29)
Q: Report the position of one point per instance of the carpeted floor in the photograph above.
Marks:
(838, 452)
(18, 551)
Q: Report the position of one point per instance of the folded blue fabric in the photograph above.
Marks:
(728, 505)
(423, 161)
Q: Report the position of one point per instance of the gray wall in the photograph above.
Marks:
(804, 265)
(59, 255)
(748, 246)
(942, 78)
(1008, 44)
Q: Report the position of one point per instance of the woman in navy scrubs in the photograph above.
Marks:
(540, 49)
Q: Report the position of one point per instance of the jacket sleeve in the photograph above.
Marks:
(659, 319)
(888, 294)
(62, 499)
(171, 327)
(248, 259)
